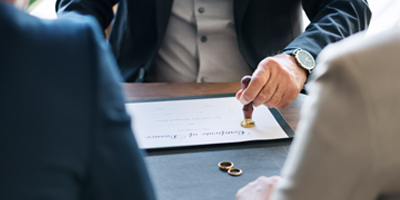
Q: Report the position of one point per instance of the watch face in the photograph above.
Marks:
(305, 59)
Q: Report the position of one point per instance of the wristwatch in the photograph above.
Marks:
(304, 59)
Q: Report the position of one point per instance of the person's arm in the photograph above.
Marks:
(278, 80)
(116, 169)
(100, 9)
(330, 21)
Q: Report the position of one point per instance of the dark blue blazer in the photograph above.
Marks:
(64, 132)
(263, 27)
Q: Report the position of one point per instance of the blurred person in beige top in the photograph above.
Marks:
(349, 134)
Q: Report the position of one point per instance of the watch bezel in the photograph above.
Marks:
(296, 54)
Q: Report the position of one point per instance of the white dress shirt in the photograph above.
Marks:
(200, 45)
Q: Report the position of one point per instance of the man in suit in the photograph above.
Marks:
(348, 136)
(216, 41)
(64, 132)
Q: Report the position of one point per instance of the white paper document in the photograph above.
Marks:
(176, 123)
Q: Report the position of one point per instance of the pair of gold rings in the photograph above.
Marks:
(228, 167)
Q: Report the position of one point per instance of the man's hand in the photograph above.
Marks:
(275, 83)
(260, 189)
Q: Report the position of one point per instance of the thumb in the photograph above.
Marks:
(239, 94)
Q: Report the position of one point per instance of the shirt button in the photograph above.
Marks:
(204, 39)
(201, 10)
(204, 79)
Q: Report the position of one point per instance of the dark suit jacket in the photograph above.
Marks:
(263, 27)
(64, 132)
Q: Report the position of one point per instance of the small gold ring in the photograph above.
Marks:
(234, 172)
(225, 165)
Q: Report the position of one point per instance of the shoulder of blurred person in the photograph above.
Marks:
(349, 125)
(65, 133)
(21, 27)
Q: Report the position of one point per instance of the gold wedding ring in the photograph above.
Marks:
(225, 165)
(228, 167)
(234, 172)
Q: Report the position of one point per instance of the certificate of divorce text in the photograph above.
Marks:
(192, 122)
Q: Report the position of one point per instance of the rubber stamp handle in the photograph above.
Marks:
(247, 109)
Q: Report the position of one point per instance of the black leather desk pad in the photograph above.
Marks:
(192, 173)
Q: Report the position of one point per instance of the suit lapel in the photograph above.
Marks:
(163, 12)
(239, 10)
